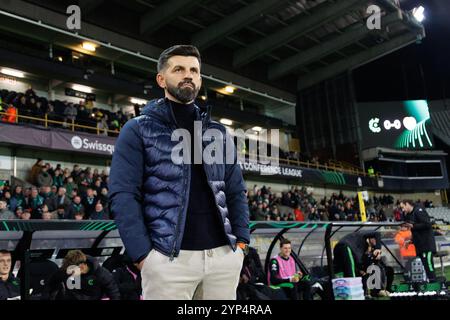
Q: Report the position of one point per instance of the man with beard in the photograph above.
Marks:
(184, 224)
(418, 221)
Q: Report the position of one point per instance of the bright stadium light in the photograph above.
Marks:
(257, 129)
(89, 46)
(229, 89)
(79, 87)
(418, 13)
(138, 101)
(226, 122)
(12, 72)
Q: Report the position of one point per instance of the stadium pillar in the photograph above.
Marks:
(362, 207)
(329, 253)
(14, 155)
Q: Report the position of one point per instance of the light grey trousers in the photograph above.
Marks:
(205, 275)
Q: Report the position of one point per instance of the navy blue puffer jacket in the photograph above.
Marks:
(149, 193)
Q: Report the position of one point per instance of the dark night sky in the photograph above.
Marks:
(417, 71)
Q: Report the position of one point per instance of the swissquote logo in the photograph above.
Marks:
(77, 143)
(86, 144)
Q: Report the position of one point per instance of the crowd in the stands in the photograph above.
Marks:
(29, 105)
(57, 193)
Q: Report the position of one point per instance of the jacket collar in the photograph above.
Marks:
(162, 110)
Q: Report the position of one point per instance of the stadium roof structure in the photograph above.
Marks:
(269, 49)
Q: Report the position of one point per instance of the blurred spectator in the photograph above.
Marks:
(349, 212)
(17, 199)
(314, 215)
(35, 201)
(50, 169)
(5, 213)
(46, 192)
(52, 115)
(70, 113)
(35, 170)
(59, 199)
(79, 216)
(44, 178)
(11, 114)
(47, 215)
(61, 212)
(97, 186)
(58, 180)
(428, 204)
(99, 213)
(26, 214)
(7, 197)
(299, 216)
(70, 185)
(398, 214)
(19, 212)
(89, 202)
(75, 207)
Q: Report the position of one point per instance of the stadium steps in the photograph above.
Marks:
(442, 213)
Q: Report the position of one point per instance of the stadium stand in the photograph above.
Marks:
(440, 213)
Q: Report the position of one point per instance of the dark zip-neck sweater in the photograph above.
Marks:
(203, 229)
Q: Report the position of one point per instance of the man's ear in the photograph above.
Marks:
(161, 80)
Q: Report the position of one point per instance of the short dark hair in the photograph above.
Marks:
(2, 251)
(284, 241)
(408, 201)
(177, 50)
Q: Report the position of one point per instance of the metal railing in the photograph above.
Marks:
(46, 122)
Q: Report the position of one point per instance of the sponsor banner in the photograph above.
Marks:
(78, 94)
(271, 170)
(57, 139)
(308, 175)
(103, 145)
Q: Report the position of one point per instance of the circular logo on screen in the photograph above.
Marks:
(76, 141)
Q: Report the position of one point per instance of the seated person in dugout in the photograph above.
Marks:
(253, 281)
(355, 252)
(378, 277)
(81, 278)
(9, 285)
(283, 269)
(350, 251)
